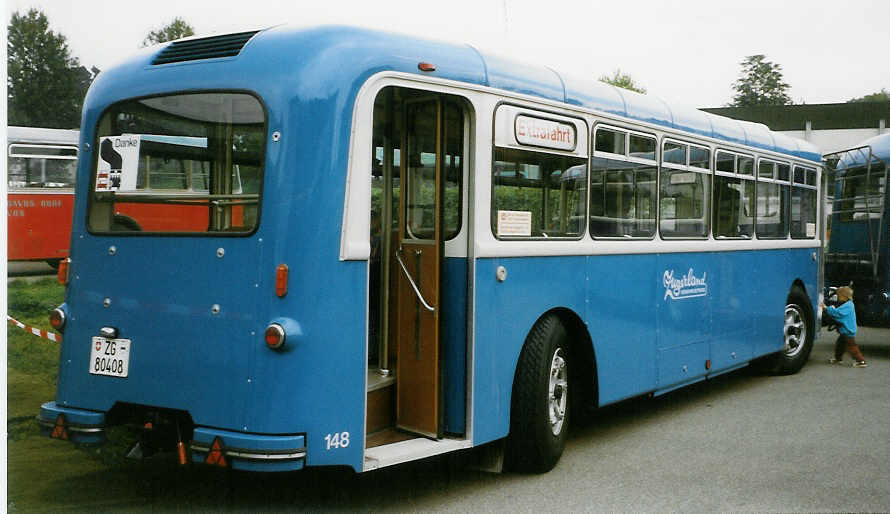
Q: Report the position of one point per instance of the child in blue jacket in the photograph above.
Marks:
(845, 316)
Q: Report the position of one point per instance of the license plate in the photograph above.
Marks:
(110, 357)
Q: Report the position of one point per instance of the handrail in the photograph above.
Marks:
(411, 281)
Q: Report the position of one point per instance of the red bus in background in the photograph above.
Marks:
(41, 167)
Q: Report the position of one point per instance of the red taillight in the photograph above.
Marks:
(57, 319)
(274, 336)
(426, 66)
(281, 280)
(62, 276)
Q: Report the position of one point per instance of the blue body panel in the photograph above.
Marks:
(509, 312)
(215, 366)
(251, 452)
(80, 426)
(453, 341)
(739, 318)
(524, 79)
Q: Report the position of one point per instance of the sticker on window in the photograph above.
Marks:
(118, 163)
(811, 230)
(514, 223)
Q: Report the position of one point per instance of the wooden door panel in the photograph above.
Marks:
(418, 405)
(417, 369)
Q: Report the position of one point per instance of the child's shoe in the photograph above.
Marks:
(860, 364)
(835, 361)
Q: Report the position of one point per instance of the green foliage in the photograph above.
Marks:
(176, 29)
(45, 85)
(760, 83)
(881, 96)
(622, 80)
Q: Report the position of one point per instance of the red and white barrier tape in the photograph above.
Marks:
(36, 331)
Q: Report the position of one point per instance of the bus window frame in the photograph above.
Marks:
(842, 197)
(267, 139)
(548, 115)
(786, 221)
(626, 157)
(11, 155)
(689, 169)
(42, 156)
(752, 177)
(803, 185)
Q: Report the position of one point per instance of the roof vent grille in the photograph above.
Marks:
(227, 45)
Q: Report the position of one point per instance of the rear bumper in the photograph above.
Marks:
(249, 452)
(237, 450)
(75, 425)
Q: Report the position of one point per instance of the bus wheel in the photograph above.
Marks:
(798, 336)
(539, 413)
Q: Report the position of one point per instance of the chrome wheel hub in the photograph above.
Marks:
(558, 392)
(795, 331)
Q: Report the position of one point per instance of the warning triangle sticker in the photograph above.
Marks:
(216, 457)
(59, 431)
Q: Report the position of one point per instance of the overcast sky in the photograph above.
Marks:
(686, 52)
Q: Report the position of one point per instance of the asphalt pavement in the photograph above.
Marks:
(817, 441)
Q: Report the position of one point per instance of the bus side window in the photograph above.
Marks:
(734, 196)
(685, 196)
(622, 190)
(803, 205)
(772, 202)
(32, 165)
(549, 188)
(622, 201)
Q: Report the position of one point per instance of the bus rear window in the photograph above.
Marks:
(186, 163)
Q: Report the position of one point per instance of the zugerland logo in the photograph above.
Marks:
(683, 287)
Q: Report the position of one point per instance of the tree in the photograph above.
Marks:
(881, 96)
(622, 80)
(760, 83)
(45, 86)
(176, 29)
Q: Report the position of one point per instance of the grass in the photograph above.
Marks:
(32, 362)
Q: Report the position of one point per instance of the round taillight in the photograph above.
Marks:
(274, 336)
(57, 319)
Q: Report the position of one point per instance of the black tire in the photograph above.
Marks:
(537, 438)
(54, 263)
(798, 336)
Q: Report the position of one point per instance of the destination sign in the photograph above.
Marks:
(546, 133)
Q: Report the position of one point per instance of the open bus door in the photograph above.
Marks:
(419, 405)
(416, 301)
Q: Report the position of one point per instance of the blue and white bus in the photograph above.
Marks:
(857, 252)
(431, 249)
